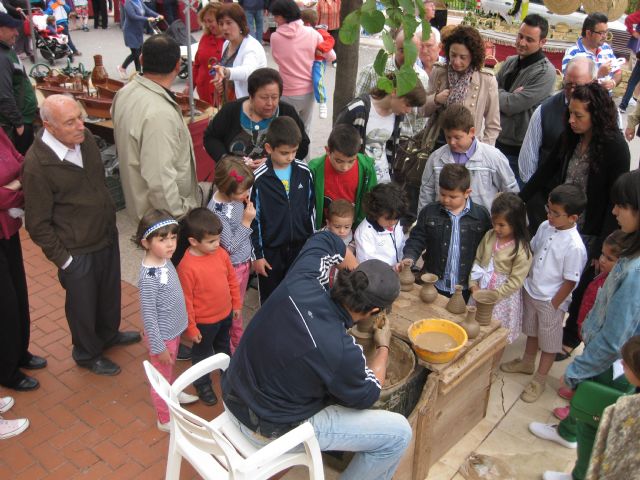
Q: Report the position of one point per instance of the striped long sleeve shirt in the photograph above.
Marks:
(235, 237)
(164, 314)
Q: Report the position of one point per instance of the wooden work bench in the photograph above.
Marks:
(456, 394)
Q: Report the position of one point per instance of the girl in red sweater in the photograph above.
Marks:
(208, 54)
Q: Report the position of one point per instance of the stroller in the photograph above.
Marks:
(178, 31)
(51, 47)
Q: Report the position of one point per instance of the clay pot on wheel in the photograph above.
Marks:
(470, 324)
(456, 303)
(485, 301)
(406, 279)
(428, 293)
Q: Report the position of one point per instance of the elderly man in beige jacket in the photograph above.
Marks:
(157, 162)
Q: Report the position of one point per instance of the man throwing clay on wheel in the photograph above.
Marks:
(296, 362)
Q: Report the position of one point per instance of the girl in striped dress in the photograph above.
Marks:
(233, 180)
(164, 314)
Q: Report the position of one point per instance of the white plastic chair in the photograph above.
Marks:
(218, 449)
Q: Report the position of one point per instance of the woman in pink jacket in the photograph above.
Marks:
(294, 47)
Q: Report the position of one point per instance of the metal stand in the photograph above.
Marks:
(190, 5)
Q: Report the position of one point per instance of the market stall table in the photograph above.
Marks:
(456, 394)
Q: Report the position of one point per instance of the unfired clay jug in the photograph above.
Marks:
(99, 74)
(485, 301)
(406, 279)
(428, 293)
(470, 324)
(456, 303)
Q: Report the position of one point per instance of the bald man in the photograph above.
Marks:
(71, 216)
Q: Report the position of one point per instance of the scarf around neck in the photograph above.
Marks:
(458, 85)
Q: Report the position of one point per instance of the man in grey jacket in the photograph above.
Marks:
(524, 81)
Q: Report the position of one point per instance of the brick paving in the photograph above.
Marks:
(84, 425)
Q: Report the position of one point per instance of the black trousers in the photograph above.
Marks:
(92, 282)
(14, 305)
(216, 338)
(134, 57)
(24, 141)
(280, 260)
(100, 18)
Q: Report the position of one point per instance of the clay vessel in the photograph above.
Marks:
(99, 74)
(456, 303)
(428, 293)
(485, 301)
(470, 324)
(406, 279)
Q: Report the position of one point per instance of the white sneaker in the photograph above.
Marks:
(323, 110)
(6, 403)
(632, 102)
(550, 432)
(165, 427)
(186, 398)
(122, 72)
(549, 475)
(11, 428)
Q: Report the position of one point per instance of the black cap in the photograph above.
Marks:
(7, 20)
(384, 284)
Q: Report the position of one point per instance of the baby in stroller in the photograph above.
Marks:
(54, 31)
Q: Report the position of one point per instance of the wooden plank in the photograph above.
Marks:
(423, 430)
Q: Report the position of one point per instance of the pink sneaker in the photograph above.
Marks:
(561, 412)
(566, 393)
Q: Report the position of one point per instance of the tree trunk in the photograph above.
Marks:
(347, 70)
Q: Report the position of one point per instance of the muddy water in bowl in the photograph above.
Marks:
(436, 342)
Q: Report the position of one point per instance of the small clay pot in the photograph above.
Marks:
(470, 324)
(406, 279)
(456, 303)
(485, 301)
(428, 292)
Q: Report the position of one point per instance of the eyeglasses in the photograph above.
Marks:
(554, 214)
(604, 32)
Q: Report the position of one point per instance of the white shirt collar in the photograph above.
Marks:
(63, 152)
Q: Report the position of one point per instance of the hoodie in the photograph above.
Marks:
(293, 47)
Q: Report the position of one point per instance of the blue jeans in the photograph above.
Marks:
(631, 86)
(254, 19)
(378, 438)
(317, 74)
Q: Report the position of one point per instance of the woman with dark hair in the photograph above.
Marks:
(377, 117)
(208, 54)
(592, 154)
(14, 299)
(239, 128)
(136, 16)
(613, 320)
(294, 46)
(463, 80)
(241, 53)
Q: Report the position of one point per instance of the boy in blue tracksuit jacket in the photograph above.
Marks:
(283, 196)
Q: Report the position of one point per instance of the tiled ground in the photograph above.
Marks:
(87, 426)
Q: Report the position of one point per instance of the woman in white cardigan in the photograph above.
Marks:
(241, 53)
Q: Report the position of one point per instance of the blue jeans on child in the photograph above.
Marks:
(378, 438)
(255, 21)
(215, 339)
(631, 86)
(317, 74)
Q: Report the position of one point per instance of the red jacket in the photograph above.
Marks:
(10, 165)
(209, 48)
(589, 298)
(631, 20)
(326, 46)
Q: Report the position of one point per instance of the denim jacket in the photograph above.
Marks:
(614, 318)
(432, 234)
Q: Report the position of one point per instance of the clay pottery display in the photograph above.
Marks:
(99, 74)
(485, 301)
(470, 324)
(456, 303)
(96, 107)
(406, 279)
(428, 293)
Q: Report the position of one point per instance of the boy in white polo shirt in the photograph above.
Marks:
(559, 256)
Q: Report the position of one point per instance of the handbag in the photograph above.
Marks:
(411, 157)
(591, 398)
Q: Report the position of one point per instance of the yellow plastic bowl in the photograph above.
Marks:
(437, 325)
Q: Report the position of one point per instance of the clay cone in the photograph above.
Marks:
(428, 292)
(485, 301)
(456, 303)
(406, 279)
